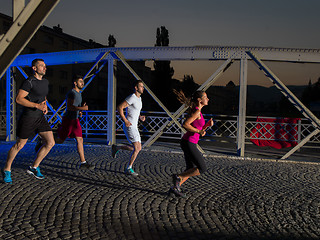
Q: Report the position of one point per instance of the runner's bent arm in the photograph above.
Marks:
(20, 99)
(120, 109)
(187, 124)
(71, 107)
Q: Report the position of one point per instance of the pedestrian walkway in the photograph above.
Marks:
(238, 198)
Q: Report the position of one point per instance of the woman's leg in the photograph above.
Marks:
(193, 158)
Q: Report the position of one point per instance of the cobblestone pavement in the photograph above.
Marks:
(235, 199)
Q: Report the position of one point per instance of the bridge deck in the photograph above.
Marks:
(236, 199)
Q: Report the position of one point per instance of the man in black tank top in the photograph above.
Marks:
(32, 96)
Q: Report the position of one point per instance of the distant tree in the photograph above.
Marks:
(311, 93)
(306, 94)
(230, 84)
(231, 98)
(111, 41)
(287, 109)
(162, 37)
(315, 92)
(163, 84)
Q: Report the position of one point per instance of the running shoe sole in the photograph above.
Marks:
(176, 181)
(32, 173)
(131, 173)
(177, 193)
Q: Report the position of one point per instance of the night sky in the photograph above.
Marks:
(263, 23)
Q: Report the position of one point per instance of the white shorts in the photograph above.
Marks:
(132, 134)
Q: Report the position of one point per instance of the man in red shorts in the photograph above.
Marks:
(70, 126)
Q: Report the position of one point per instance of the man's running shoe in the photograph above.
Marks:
(114, 150)
(176, 180)
(35, 172)
(129, 171)
(38, 145)
(6, 176)
(176, 192)
(86, 165)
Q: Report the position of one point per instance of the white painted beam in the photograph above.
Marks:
(175, 53)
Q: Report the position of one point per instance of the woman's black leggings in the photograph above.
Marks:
(193, 156)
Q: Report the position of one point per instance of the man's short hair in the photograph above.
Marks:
(76, 78)
(34, 61)
(137, 83)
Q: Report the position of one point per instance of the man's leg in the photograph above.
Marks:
(13, 153)
(42, 141)
(80, 148)
(84, 164)
(6, 173)
(45, 149)
(136, 150)
(63, 131)
(115, 149)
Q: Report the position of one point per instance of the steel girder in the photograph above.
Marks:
(242, 107)
(112, 90)
(26, 22)
(10, 106)
(91, 74)
(57, 114)
(175, 53)
(180, 53)
(291, 97)
(121, 58)
(183, 108)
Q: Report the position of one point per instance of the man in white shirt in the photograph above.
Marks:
(133, 104)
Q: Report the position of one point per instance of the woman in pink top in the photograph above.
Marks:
(196, 127)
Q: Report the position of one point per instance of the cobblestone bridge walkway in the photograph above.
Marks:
(235, 199)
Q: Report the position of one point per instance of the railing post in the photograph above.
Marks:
(112, 87)
(299, 133)
(10, 106)
(241, 122)
(86, 123)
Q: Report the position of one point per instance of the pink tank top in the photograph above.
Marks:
(194, 137)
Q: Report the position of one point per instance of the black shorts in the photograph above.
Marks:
(27, 126)
(193, 156)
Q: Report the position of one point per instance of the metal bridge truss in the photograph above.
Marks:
(229, 54)
(27, 18)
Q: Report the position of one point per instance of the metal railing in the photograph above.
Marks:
(95, 123)
(3, 123)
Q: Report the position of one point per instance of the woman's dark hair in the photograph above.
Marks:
(191, 101)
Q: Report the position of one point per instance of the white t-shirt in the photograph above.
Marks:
(134, 108)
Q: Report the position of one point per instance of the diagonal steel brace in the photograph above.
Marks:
(183, 108)
(121, 58)
(291, 97)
